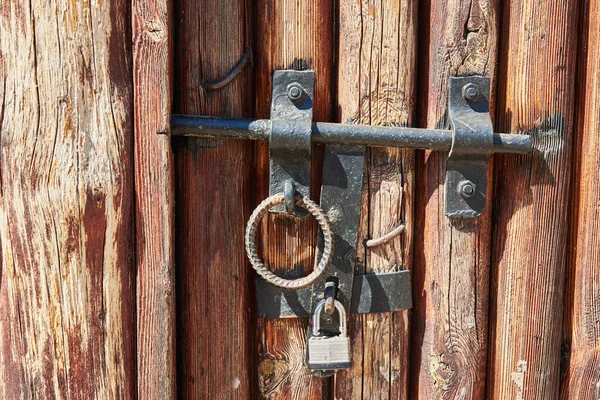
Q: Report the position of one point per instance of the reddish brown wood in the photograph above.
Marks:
(451, 271)
(376, 85)
(580, 370)
(290, 35)
(67, 300)
(215, 330)
(152, 67)
(535, 96)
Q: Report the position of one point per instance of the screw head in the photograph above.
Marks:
(466, 188)
(471, 92)
(295, 92)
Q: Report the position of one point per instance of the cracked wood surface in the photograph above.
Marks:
(376, 85)
(290, 35)
(535, 96)
(452, 256)
(67, 300)
(581, 369)
(152, 75)
(215, 321)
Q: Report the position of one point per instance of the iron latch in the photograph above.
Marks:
(333, 285)
(291, 132)
(470, 141)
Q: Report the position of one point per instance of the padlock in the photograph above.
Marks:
(328, 353)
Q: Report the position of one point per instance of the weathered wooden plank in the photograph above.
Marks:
(152, 61)
(580, 372)
(215, 334)
(376, 85)
(67, 301)
(535, 96)
(290, 35)
(451, 268)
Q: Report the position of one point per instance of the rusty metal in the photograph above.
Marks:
(245, 59)
(291, 133)
(332, 133)
(387, 237)
(250, 241)
(330, 292)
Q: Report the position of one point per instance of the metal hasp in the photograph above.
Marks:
(290, 139)
(291, 132)
(333, 282)
(340, 199)
(472, 146)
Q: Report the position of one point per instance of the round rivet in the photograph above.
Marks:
(470, 92)
(295, 92)
(466, 188)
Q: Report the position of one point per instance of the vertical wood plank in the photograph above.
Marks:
(581, 377)
(290, 35)
(580, 371)
(535, 96)
(67, 300)
(215, 330)
(452, 256)
(377, 86)
(152, 71)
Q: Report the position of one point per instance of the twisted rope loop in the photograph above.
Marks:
(250, 239)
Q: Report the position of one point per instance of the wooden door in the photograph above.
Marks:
(123, 272)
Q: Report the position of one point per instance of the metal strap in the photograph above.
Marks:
(291, 129)
(472, 145)
(371, 293)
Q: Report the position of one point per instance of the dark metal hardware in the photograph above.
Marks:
(472, 145)
(291, 133)
(290, 137)
(332, 133)
(371, 293)
(340, 200)
(470, 142)
(224, 81)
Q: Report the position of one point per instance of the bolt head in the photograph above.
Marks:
(466, 188)
(471, 92)
(295, 92)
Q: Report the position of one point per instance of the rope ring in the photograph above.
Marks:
(250, 239)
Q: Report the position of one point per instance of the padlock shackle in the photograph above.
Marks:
(317, 317)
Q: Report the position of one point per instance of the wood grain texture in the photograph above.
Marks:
(152, 77)
(452, 256)
(215, 327)
(290, 35)
(67, 300)
(580, 371)
(535, 96)
(376, 85)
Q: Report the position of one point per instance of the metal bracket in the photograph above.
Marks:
(472, 145)
(290, 142)
(340, 199)
(371, 293)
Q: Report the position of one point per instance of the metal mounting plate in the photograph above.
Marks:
(291, 130)
(341, 190)
(472, 145)
(371, 293)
